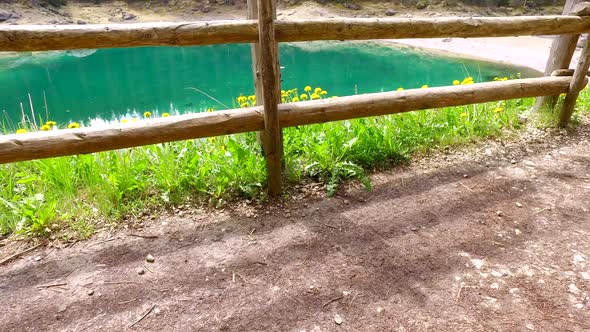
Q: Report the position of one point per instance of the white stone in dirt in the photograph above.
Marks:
(579, 259)
(517, 231)
(496, 274)
(518, 204)
(526, 270)
(477, 263)
(585, 275)
(150, 259)
(338, 320)
(572, 288)
(579, 305)
(494, 286)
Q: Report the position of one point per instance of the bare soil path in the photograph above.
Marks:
(495, 238)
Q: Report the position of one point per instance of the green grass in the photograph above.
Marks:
(69, 196)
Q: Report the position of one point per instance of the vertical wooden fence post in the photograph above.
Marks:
(560, 57)
(576, 85)
(268, 65)
(253, 15)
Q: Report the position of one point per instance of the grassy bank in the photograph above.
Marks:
(71, 195)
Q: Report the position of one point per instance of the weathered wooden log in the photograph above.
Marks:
(563, 72)
(255, 51)
(560, 56)
(38, 145)
(362, 29)
(19, 147)
(271, 92)
(410, 100)
(578, 82)
(66, 37)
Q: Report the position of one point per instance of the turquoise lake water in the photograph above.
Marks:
(92, 86)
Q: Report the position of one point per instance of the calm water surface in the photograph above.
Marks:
(92, 86)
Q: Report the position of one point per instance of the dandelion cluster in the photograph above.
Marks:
(244, 101)
(288, 96)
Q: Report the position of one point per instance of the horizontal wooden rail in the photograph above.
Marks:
(383, 103)
(65, 142)
(67, 37)
(20, 147)
(442, 27)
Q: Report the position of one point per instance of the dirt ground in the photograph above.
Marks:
(486, 238)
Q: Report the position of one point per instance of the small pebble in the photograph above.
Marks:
(499, 213)
(413, 229)
(465, 175)
(157, 311)
(513, 161)
(337, 319)
(346, 202)
(379, 309)
(150, 259)
(140, 271)
(91, 292)
(518, 204)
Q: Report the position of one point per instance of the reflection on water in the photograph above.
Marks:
(105, 85)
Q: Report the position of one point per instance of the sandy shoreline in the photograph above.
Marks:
(525, 51)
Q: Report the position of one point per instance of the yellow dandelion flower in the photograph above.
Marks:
(467, 81)
(562, 94)
(295, 99)
(223, 148)
(463, 115)
(315, 96)
(303, 97)
(165, 115)
(212, 139)
(424, 86)
(307, 88)
(252, 98)
(209, 110)
(147, 114)
(323, 92)
(74, 125)
(124, 120)
(51, 123)
(456, 82)
(317, 90)
(400, 89)
(334, 97)
(244, 105)
(45, 127)
(498, 110)
(21, 131)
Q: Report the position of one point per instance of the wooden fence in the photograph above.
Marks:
(269, 118)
